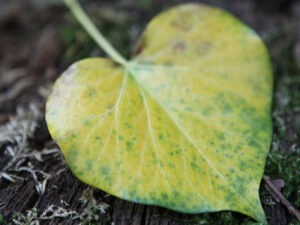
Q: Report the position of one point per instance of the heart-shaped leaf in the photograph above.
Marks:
(185, 124)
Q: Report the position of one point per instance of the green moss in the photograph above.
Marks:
(285, 165)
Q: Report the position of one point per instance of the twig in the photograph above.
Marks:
(283, 200)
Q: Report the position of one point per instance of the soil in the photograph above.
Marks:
(39, 39)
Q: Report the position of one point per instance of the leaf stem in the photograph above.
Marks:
(89, 26)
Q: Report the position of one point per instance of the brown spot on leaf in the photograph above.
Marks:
(139, 46)
(182, 24)
(109, 106)
(203, 48)
(187, 90)
(179, 47)
(168, 63)
(114, 64)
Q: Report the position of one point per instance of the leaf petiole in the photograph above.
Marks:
(89, 26)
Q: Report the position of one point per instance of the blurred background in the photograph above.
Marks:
(39, 39)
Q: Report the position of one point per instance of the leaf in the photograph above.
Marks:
(185, 124)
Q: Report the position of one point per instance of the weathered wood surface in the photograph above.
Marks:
(32, 169)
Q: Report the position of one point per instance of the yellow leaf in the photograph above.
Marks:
(185, 124)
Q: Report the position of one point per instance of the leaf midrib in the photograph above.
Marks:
(131, 73)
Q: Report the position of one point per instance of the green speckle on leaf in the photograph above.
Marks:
(183, 116)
